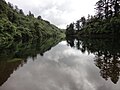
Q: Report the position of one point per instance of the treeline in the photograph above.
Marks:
(15, 25)
(105, 21)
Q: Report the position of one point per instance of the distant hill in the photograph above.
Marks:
(15, 25)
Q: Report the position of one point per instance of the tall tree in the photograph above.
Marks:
(70, 29)
(21, 12)
(83, 21)
(78, 25)
(30, 14)
(107, 8)
(100, 9)
(116, 4)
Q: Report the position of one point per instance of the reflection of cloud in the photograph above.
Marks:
(66, 52)
(48, 75)
(70, 72)
(59, 12)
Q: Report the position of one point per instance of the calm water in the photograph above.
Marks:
(69, 65)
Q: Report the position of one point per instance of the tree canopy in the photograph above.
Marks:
(105, 21)
(14, 24)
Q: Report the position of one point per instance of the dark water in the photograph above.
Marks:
(74, 64)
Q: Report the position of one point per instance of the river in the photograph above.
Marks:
(71, 64)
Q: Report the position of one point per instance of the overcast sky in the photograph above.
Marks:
(58, 12)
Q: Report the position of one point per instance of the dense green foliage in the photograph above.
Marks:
(15, 25)
(106, 20)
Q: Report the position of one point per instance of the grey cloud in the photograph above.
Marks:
(58, 12)
(54, 11)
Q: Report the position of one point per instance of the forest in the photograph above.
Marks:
(106, 20)
(15, 25)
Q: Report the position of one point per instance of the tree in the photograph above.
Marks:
(39, 18)
(30, 14)
(21, 12)
(37, 29)
(108, 8)
(78, 25)
(70, 29)
(16, 8)
(102, 8)
(83, 21)
(99, 8)
(3, 8)
(10, 5)
(116, 4)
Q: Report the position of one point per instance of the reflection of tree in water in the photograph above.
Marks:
(109, 66)
(107, 55)
(7, 68)
(14, 55)
(70, 41)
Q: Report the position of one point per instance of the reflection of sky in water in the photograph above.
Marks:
(62, 68)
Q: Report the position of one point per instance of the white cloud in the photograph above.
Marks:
(58, 12)
(71, 72)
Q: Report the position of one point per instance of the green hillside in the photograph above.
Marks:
(15, 25)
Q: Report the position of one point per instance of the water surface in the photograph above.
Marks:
(70, 65)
